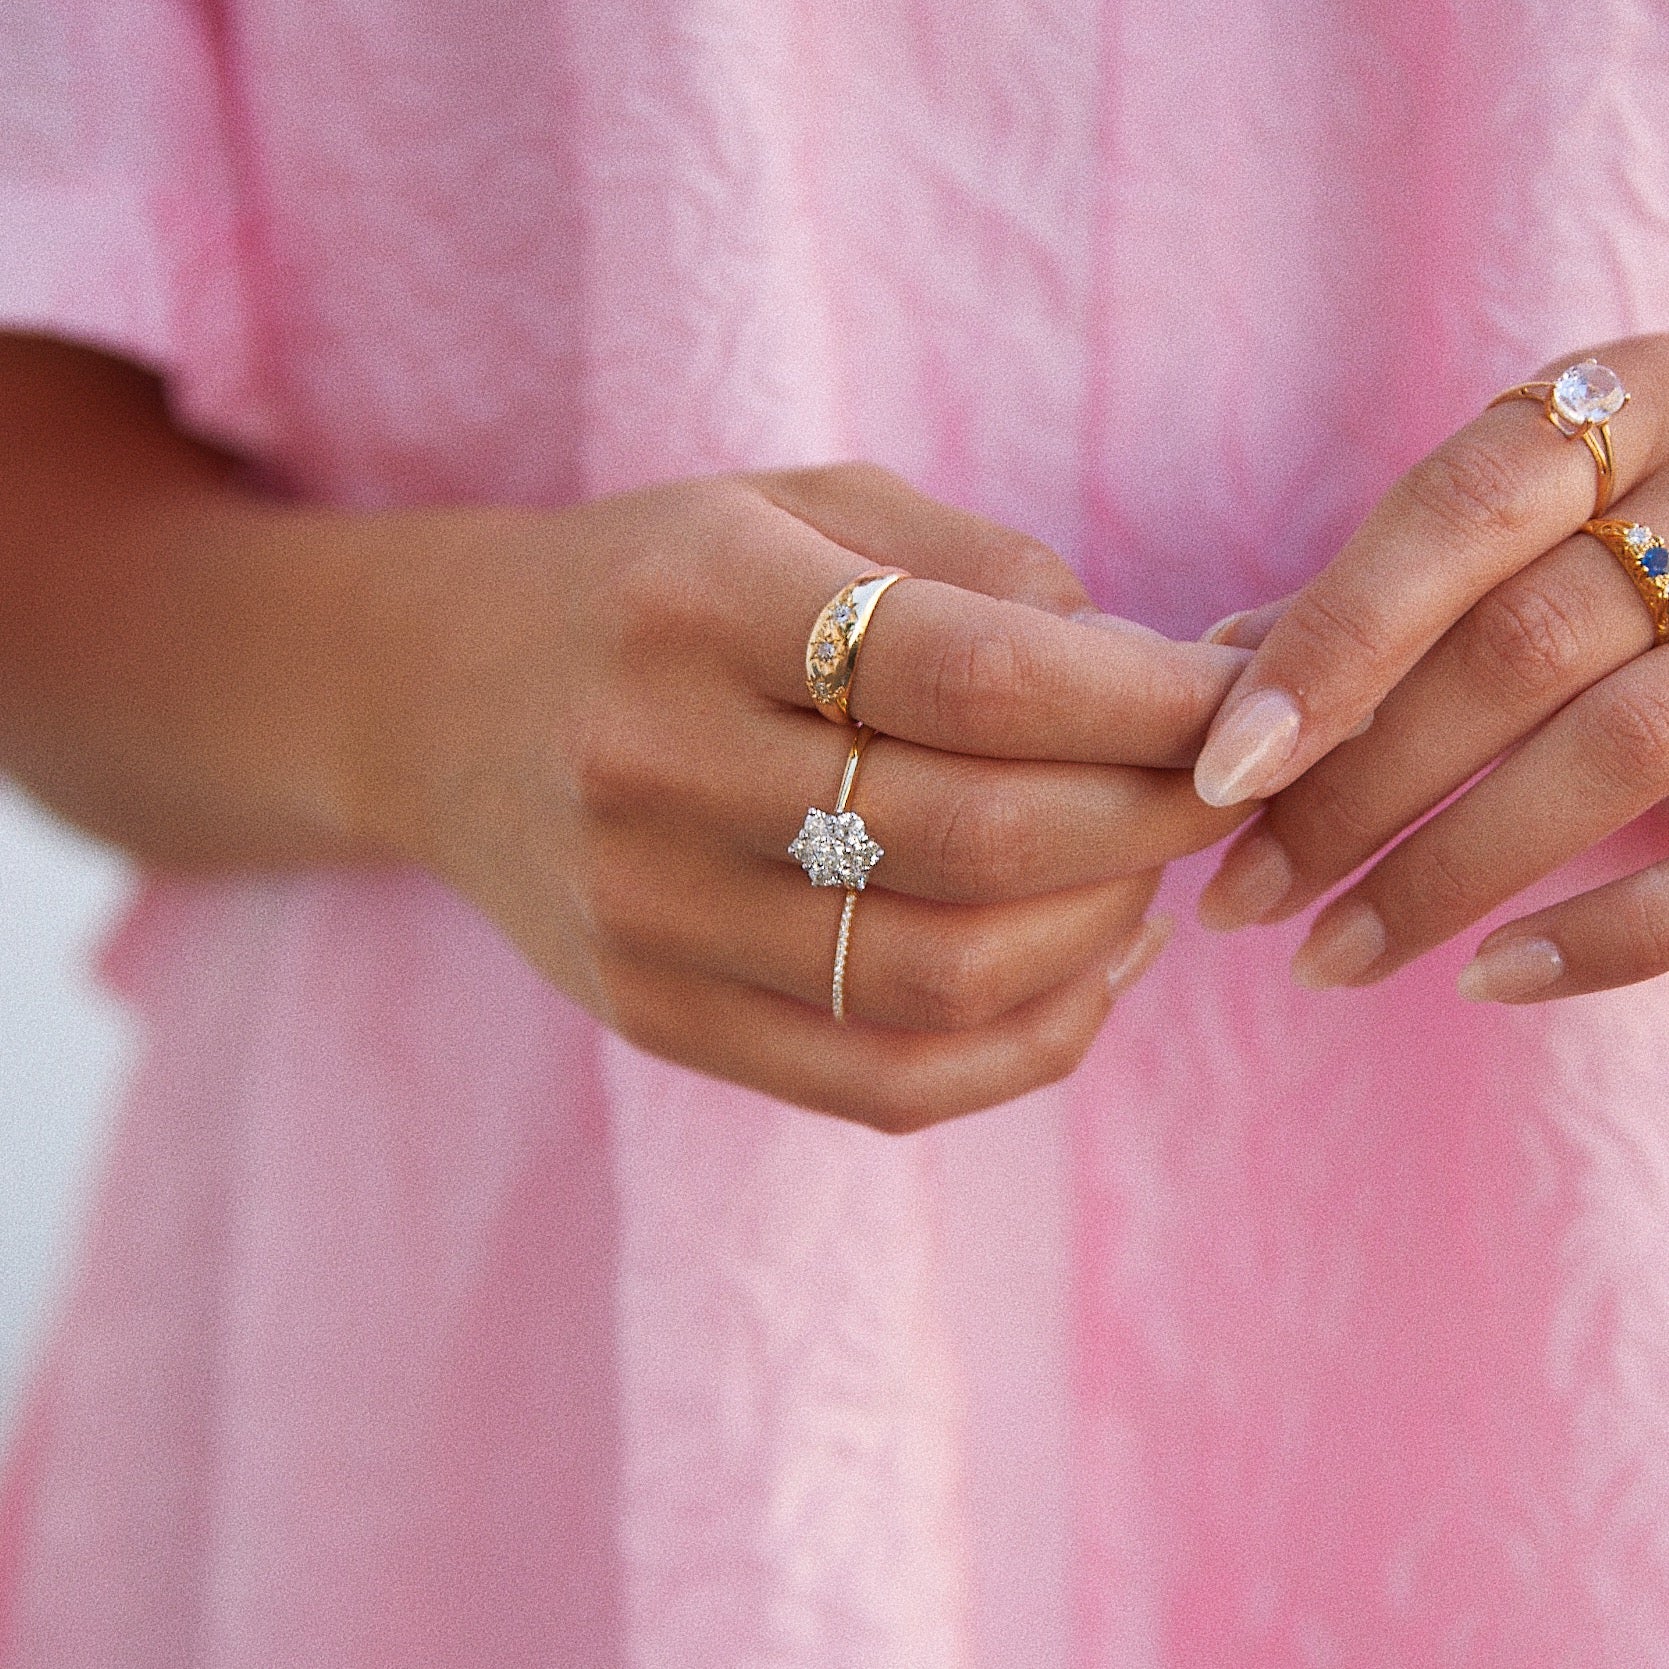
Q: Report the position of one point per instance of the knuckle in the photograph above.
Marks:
(1324, 812)
(985, 846)
(977, 676)
(951, 984)
(1472, 490)
(1524, 641)
(1323, 623)
(607, 776)
(1629, 741)
(1644, 926)
(1448, 891)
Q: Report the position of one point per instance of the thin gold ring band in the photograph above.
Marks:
(837, 636)
(1645, 560)
(843, 943)
(1593, 432)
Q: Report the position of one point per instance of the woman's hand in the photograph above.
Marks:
(594, 723)
(1470, 613)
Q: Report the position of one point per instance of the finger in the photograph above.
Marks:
(1608, 754)
(912, 962)
(954, 827)
(954, 669)
(894, 1080)
(880, 517)
(1538, 639)
(1247, 628)
(1615, 935)
(1486, 503)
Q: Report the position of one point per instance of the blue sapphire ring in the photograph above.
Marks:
(1645, 560)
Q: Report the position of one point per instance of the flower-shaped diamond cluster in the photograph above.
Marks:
(834, 849)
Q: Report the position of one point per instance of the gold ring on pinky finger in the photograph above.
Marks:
(1579, 403)
(1645, 559)
(836, 637)
(835, 850)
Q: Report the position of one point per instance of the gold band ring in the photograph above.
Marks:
(1645, 560)
(835, 850)
(1579, 403)
(836, 637)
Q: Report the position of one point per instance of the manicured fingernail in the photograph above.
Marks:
(1247, 750)
(1248, 628)
(1138, 956)
(1365, 726)
(1508, 970)
(1224, 629)
(1344, 943)
(1255, 877)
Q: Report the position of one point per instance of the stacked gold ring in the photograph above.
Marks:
(836, 637)
(1580, 403)
(1645, 560)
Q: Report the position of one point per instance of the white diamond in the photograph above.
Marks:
(826, 652)
(1587, 393)
(845, 615)
(834, 849)
(1638, 537)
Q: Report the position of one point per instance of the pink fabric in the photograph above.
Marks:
(421, 1322)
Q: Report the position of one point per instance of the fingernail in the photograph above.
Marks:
(1138, 956)
(1221, 632)
(1255, 877)
(1365, 726)
(1248, 628)
(1507, 970)
(1347, 940)
(1247, 750)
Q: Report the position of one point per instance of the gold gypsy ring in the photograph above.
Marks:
(1579, 403)
(835, 850)
(836, 637)
(1645, 560)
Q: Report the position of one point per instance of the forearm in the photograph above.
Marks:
(178, 665)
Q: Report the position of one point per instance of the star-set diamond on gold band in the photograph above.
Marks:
(835, 850)
(1580, 403)
(1645, 560)
(836, 637)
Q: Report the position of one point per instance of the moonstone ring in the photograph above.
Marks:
(835, 850)
(836, 637)
(1580, 403)
(1645, 560)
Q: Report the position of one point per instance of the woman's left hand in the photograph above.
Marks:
(1469, 619)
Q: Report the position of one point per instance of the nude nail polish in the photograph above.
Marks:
(1508, 970)
(1254, 879)
(1140, 954)
(1345, 942)
(1246, 751)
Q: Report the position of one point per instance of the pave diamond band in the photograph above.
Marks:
(835, 850)
(837, 635)
(1580, 403)
(1645, 560)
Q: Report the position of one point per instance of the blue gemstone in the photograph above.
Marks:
(1656, 561)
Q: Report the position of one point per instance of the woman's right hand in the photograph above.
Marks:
(594, 723)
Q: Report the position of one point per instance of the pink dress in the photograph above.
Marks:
(420, 1321)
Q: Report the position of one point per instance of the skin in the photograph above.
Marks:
(1476, 626)
(592, 722)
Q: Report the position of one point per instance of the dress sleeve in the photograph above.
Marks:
(119, 215)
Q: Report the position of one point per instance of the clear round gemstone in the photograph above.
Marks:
(1587, 393)
(1638, 537)
(825, 654)
(845, 615)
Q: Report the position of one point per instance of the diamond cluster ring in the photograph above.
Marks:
(1580, 403)
(835, 850)
(1645, 559)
